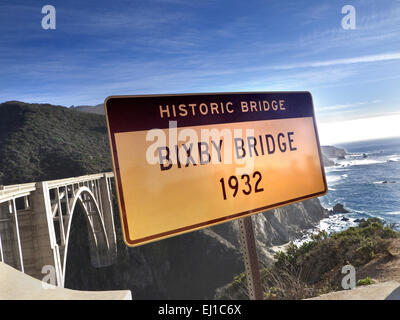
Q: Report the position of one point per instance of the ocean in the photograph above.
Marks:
(367, 183)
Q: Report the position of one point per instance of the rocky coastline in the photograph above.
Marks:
(331, 153)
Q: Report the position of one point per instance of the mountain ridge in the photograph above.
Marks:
(97, 109)
(44, 142)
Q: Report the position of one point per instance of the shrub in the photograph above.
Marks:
(365, 282)
(315, 267)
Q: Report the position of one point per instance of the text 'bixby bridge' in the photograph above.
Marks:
(36, 218)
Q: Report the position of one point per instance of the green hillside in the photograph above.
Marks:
(315, 267)
(43, 142)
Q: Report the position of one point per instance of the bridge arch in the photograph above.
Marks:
(97, 235)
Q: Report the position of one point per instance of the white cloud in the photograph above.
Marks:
(360, 129)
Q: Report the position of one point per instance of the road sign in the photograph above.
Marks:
(185, 162)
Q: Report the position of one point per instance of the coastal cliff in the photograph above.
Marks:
(189, 266)
(333, 152)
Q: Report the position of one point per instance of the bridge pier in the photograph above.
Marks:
(107, 206)
(46, 249)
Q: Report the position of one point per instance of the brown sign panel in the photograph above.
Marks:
(185, 162)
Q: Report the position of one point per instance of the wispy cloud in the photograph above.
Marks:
(335, 62)
(347, 105)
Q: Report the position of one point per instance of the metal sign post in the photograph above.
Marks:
(250, 258)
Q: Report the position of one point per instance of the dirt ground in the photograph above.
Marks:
(384, 267)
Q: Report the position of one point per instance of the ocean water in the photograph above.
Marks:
(367, 183)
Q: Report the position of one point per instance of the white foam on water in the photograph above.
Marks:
(354, 154)
(331, 169)
(393, 213)
(384, 182)
(394, 155)
(360, 162)
(335, 223)
(357, 211)
(332, 224)
(332, 179)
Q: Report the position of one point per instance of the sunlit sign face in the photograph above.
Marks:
(185, 162)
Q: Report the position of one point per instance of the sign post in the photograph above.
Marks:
(186, 162)
(250, 259)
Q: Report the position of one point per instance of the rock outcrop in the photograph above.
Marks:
(329, 153)
(333, 152)
(327, 162)
(339, 208)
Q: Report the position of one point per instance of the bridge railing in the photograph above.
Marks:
(10, 192)
(76, 180)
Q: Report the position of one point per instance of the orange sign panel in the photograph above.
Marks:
(185, 162)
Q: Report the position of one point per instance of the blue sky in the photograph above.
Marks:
(102, 48)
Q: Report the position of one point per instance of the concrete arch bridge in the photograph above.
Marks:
(36, 219)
